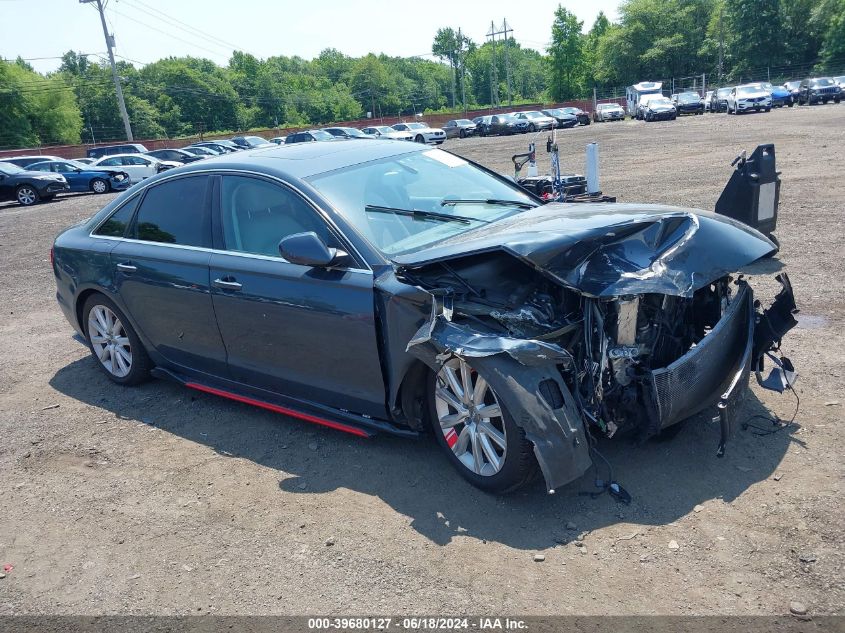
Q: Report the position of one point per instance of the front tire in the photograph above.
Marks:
(419, 139)
(479, 436)
(26, 195)
(113, 343)
(98, 185)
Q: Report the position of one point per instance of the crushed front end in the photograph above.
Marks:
(576, 344)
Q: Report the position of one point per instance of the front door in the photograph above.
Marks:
(308, 333)
(161, 274)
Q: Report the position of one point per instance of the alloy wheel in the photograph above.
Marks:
(27, 196)
(109, 341)
(99, 186)
(470, 418)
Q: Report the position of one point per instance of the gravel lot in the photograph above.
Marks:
(157, 500)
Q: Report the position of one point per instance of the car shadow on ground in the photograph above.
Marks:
(666, 478)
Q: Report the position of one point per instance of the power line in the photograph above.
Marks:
(184, 25)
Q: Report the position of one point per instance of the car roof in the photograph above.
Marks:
(28, 156)
(133, 155)
(302, 160)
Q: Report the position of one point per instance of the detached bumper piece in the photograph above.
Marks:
(713, 372)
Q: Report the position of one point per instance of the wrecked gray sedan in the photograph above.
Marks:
(381, 286)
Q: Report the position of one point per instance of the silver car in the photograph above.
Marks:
(537, 120)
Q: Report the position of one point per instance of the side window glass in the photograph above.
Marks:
(116, 225)
(175, 212)
(257, 215)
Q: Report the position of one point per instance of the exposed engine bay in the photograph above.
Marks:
(614, 344)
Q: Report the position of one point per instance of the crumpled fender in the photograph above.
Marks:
(520, 372)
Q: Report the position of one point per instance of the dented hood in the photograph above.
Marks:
(606, 250)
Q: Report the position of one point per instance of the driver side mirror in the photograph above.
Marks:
(307, 249)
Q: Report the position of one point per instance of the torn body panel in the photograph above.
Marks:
(525, 376)
(605, 250)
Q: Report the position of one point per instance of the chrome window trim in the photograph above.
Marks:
(221, 171)
(217, 251)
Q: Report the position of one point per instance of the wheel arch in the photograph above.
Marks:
(411, 399)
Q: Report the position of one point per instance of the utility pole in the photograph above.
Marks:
(494, 80)
(505, 31)
(721, 42)
(463, 71)
(118, 89)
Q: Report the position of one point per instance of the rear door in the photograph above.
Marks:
(308, 333)
(161, 274)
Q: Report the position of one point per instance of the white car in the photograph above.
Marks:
(138, 166)
(422, 133)
(749, 97)
(387, 132)
(537, 120)
(608, 112)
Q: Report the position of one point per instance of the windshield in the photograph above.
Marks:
(321, 135)
(416, 126)
(464, 122)
(659, 101)
(419, 181)
(747, 90)
(534, 115)
(793, 85)
(9, 168)
(351, 131)
(570, 110)
(255, 140)
(839, 80)
(824, 81)
(723, 92)
(384, 129)
(766, 86)
(688, 97)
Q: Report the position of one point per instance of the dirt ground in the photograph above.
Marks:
(157, 500)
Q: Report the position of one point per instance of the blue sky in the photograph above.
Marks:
(146, 30)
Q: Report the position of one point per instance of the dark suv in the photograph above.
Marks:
(111, 150)
(818, 90)
(688, 103)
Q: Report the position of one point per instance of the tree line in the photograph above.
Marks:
(652, 39)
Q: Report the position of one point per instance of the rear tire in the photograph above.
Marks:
(114, 345)
(505, 458)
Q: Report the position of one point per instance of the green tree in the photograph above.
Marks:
(754, 26)
(591, 47)
(828, 20)
(35, 109)
(566, 56)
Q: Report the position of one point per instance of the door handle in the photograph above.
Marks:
(227, 283)
(127, 268)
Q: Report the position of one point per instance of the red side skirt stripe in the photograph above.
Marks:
(283, 410)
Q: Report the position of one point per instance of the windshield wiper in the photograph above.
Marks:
(418, 214)
(491, 201)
